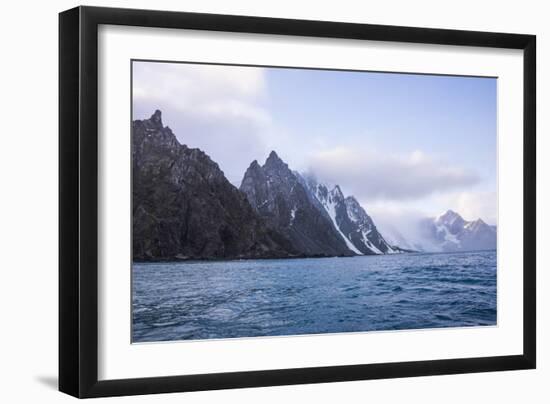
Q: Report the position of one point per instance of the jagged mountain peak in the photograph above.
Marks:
(448, 215)
(185, 208)
(156, 118)
(151, 133)
(254, 165)
(273, 160)
(281, 197)
(337, 193)
(451, 232)
(478, 225)
(477, 222)
(451, 219)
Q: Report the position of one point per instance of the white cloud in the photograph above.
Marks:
(400, 225)
(214, 108)
(195, 85)
(222, 110)
(373, 175)
(399, 221)
(473, 205)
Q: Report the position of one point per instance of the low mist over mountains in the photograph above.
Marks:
(185, 208)
(448, 232)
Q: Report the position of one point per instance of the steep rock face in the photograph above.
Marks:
(450, 232)
(185, 208)
(279, 196)
(350, 219)
(363, 230)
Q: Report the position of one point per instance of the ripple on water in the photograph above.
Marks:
(200, 300)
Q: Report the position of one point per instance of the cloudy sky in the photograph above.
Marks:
(404, 145)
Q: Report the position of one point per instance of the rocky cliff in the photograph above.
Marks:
(185, 208)
(278, 195)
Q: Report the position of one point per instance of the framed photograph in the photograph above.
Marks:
(251, 201)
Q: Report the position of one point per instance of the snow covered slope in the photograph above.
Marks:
(450, 232)
(349, 218)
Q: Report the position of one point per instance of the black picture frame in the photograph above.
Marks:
(78, 201)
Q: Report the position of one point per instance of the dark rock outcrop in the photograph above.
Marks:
(185, 208)
(279, 196)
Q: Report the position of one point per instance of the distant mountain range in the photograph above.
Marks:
(185, 208)
(450, 232)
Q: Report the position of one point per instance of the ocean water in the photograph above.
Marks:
(200, 300)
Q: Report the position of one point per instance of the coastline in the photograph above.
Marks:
(193, 260)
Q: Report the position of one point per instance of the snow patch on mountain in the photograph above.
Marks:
(330, 207)
(293, 215)
(349, 218)
(447, 235)
(450, 232)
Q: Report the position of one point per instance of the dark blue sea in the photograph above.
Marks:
(199, 300)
